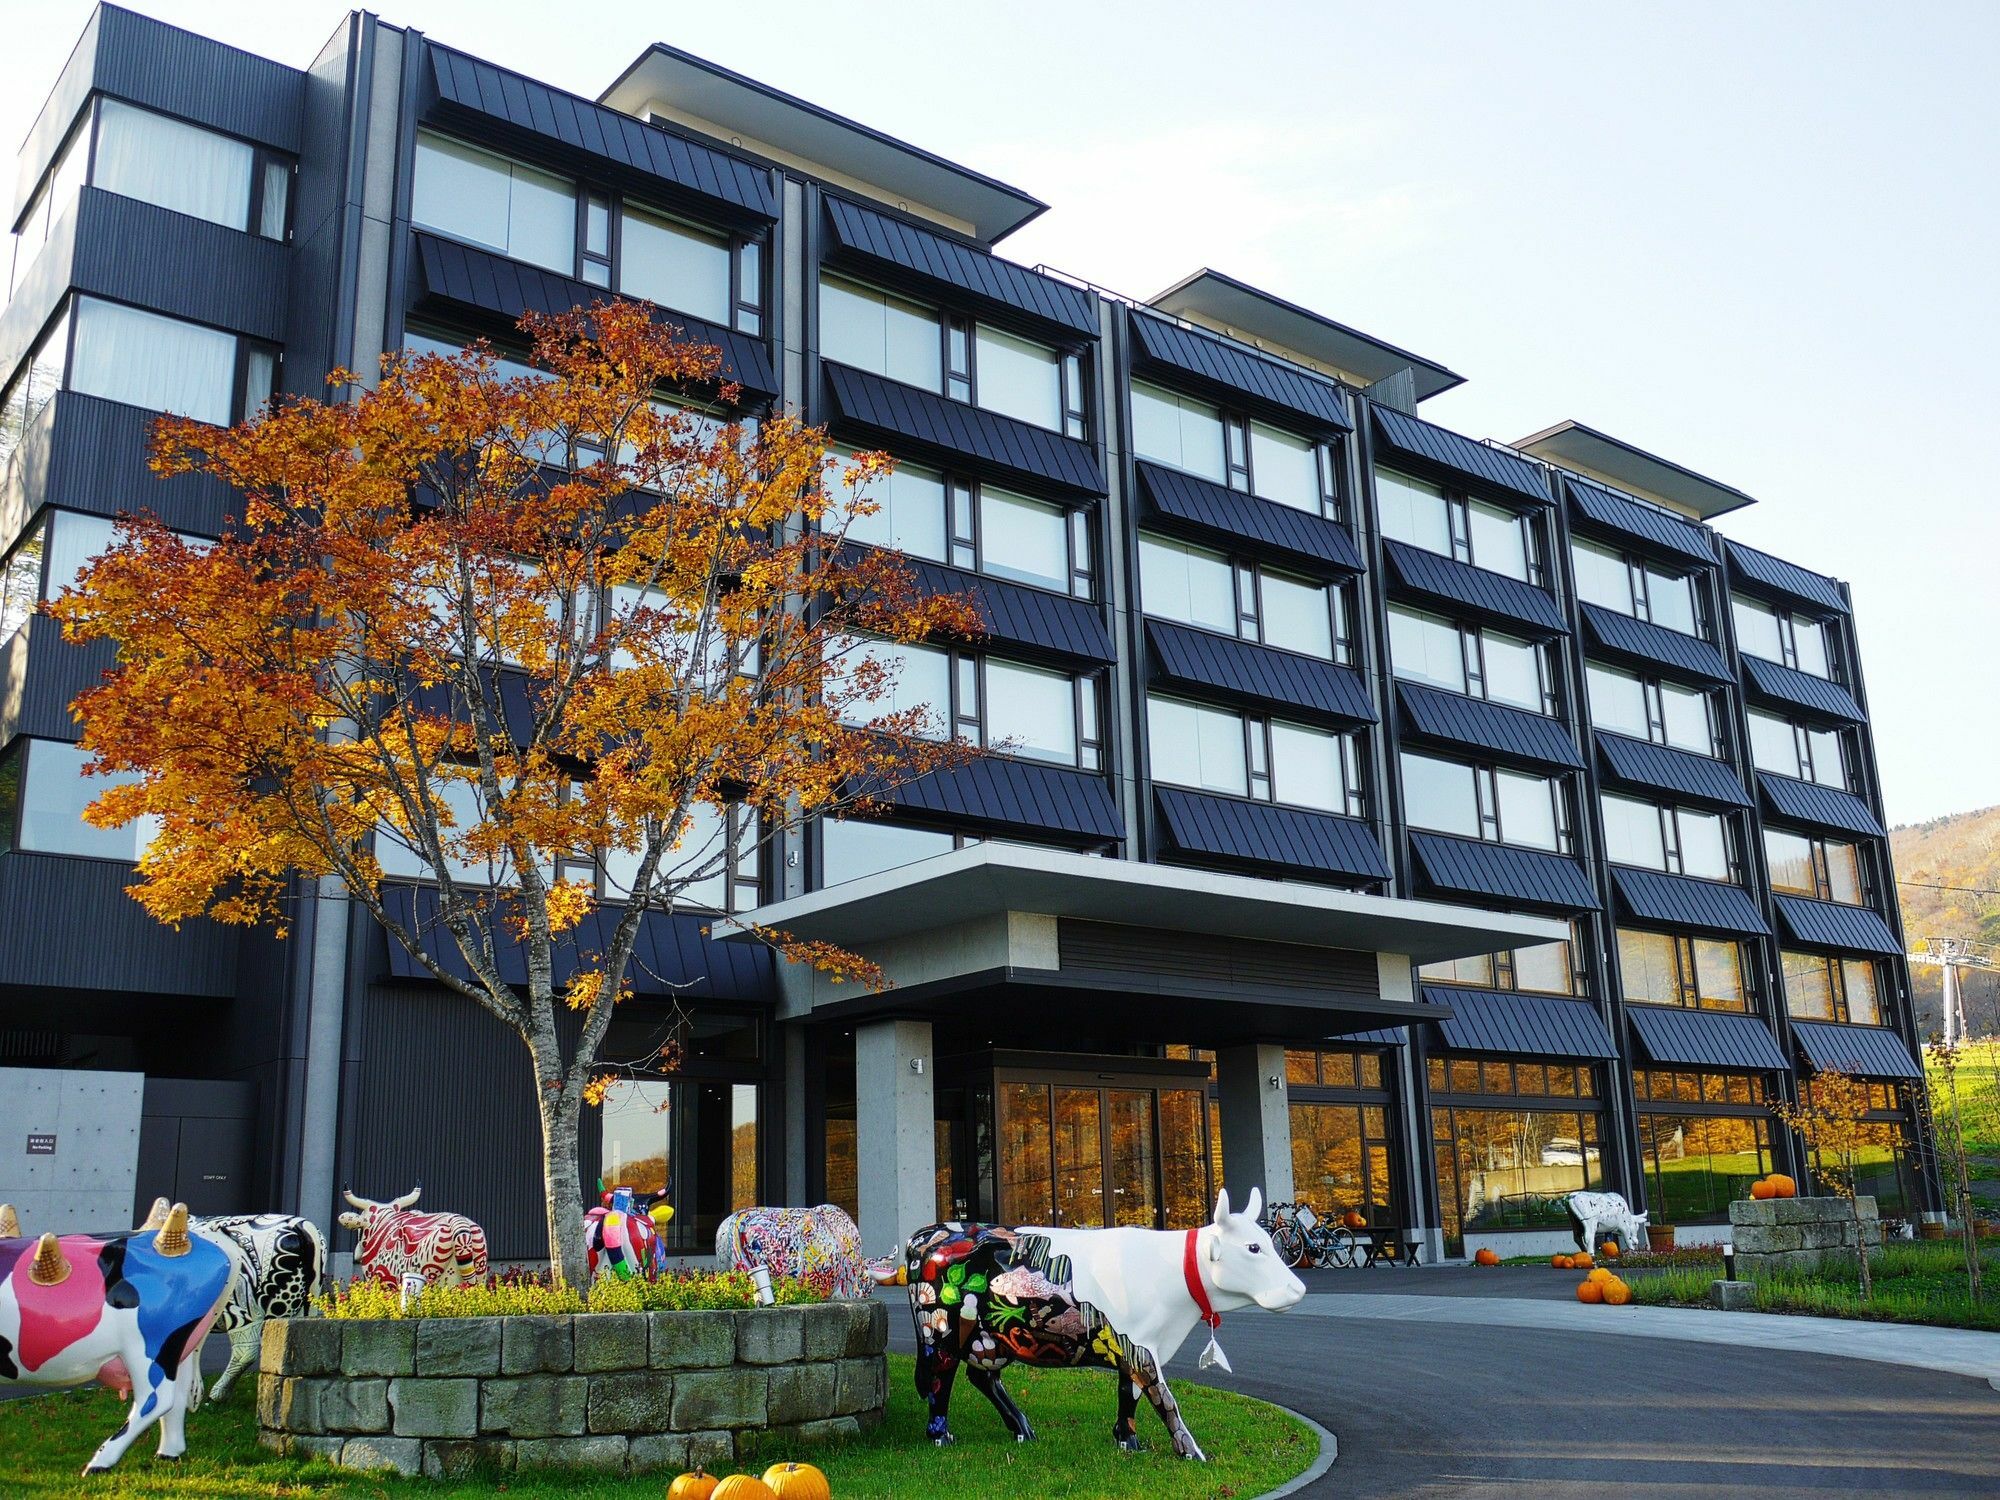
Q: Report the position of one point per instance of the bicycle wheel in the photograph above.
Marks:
(1290, 1243)
(1346, 1248)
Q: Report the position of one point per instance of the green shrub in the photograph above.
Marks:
(518, 1294)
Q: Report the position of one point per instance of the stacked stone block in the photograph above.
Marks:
(1797, 1234)
(624, 1392)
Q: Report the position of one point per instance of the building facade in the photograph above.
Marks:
(1387, 819)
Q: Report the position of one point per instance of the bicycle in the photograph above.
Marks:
(1300, 1237)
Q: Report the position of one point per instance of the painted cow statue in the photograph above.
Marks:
(444, 1249)
(818, 1246)
(128, 1309)
(1119, 1299)
(623, 1233)
(276, 1261)
(1593, 1215)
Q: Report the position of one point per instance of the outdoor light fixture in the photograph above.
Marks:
(1728, 1262)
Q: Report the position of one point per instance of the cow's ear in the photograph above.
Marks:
(1221, 1204)
(1254, 1209)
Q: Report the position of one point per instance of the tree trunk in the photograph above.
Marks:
(1861, 1246)
(562, 1189)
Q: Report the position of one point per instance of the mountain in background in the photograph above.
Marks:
(1962, 850)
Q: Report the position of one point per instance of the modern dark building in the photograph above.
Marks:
(1392, 820)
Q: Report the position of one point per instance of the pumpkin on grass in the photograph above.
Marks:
(1762, 1189)
(1782, 1186)
(1589, 1291)
(1617, 1293)
(743, 1487)
(696, 1484)
(797, 1482)
(1487, 1256)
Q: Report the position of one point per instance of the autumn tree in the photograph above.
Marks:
(1832, 1118)
(1947, 1133)
(518, 628)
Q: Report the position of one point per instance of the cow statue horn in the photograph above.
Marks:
(156, 1216)
(352, 1201)
(172, 1238)
(409, 1198)
(51, 1267)
(10, 1223)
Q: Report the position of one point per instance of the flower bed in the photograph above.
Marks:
(525, 1293)
(422, 1391)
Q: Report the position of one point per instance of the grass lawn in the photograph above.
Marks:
(1253, 1447)
(1914, 1283)
(1978, 1094)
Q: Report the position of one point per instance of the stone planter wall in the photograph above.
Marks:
(625, 1392)
(1796, 1234)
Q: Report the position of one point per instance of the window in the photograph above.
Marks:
(1823, 988)
(715, 863)
(43, 793)
(36, 384)
(1026, 711)
(1031, 711)
(1341, 1154)
(1798, 750)
(1778, 635)
(1677, 840)
(189, 169)
(67, 541)
(519, 211)
(1650, 709)
(917, 678)
(1198, 587)
(1694, 973)
(1019, 378)
(1825, 869)
(1704, 1138)
(1466, 659)
(1481, 802)
(851, 848)
(926, 513)
(1219, 750)
(1636, 587)
(165, 364)
(52, 198)
(1503, 1164)
(1888, 1167)
(1544, 969)
(1452, 525)
(674, 264)
(696, 1137)
(1177, 431)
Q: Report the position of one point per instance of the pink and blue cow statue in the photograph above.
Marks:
(622, 1235)
(128, 1309)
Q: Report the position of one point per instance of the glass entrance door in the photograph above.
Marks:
(1079, 1142)
(1088, 1156)
(1132, 1161)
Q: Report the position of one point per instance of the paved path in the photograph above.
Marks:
(1467, 1384)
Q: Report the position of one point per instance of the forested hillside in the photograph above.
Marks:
(1960, 851)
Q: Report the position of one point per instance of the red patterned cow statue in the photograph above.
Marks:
(444, 1249)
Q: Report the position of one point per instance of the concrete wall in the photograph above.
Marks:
(87, 1179)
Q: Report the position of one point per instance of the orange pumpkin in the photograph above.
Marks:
(1589, 1291)
(1601, 1276)
(1617, 1293)
(797, 1482)
(1609, 1250)
(743, 1487)
(1782, 1186)
(1762, 1189)
(1354, 1219)
(1563, 1262)
(693, 1485)
(1582, 1262)
(1487, 1256)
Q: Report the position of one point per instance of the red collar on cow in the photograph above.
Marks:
(1191, 1269)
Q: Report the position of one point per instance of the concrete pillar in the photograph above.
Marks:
(895, 1141)
(793, 1037)
(1256, 1122)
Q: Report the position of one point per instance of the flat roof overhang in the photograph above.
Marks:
(1575, 446)
(1238, 305)
(813, 134)
(986, 880)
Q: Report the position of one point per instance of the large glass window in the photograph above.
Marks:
(1187, 583)
(1695, 973)
(1500, 806)
(1821, 987)
(43, 793)
(1019, 378)
(714, 864)
(876, 331)
(164, 364)
(1193, 745)
(1177, 431)
(1217, 750)
(1504, 1165)
(1427, 648)
(1499, 540)
(916, 677)
(1028, 711)
(909, 513)
(1413, 511)
(1466, 659)
(51, 200)
(1677, 840)
(1697, 1164)
(1636, 587)
(190, 170)
(1544, 968)
(1441, 795)
(1453, 525)
(1023, 539)
(1285, 468)
(1650, 709)
(853, 847)
(1825, 869)
(1298, 615)
(673, 264)
(1031, 709)
(1778, 635)
(696, 1138)
(520, 211)
(1798, 750)
(1199, 587)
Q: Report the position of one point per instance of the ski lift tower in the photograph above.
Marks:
(1952, 955)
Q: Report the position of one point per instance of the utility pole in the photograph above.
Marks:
(1952, 955)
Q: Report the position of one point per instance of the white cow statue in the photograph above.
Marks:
(1118, 1299)
(1593, 1215)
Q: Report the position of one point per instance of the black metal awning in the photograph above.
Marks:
(1676, 1038)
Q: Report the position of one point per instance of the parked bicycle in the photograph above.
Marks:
(1301, 1237)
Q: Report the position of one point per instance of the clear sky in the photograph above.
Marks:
(1760, 240)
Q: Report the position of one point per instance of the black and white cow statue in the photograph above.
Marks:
(1593, 1215)
(275, 1264)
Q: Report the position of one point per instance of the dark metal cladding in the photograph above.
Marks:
(1641, 642)
(1292, 838)
(1231, 372)
(1466, 867)
(1490, 595)
(1385, 1036)
(1790, 800)
(1650, 529)
(950, 265)
(1186, 504)
(1005, 791)
(953, 432)
(1795, 689)
(1291, 685)
(458, 273)
(1508, 1021)
(1647, 896)
(1659, 768)
(1678, 1038)
(493, 96)
(1829, 924)
(1018, 614)
(88, 454)
(1479, 465)
(1773, 575)
(1510, 734)
(69, 925)
(1858, 1051)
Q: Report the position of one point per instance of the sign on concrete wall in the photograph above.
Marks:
(69, 1147)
